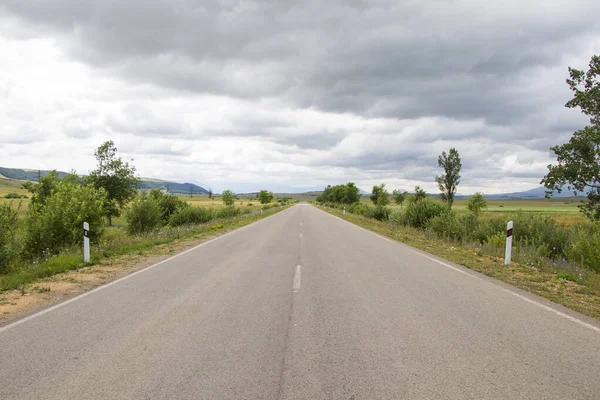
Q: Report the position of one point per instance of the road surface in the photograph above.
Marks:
(302, 305)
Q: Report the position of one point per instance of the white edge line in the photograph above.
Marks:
(81, 296)
(520, 296)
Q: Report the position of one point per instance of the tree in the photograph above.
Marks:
(56, 221)
(210, 193)
(449, 180)
(476, 203)
(399, 196)
(228, 197)
(116, 177)
(265, 197)
(379, 195)
(341, 194)
(420, 194)
(578, 161)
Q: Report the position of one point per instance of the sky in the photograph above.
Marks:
(290, 95)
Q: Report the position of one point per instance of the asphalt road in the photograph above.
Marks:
(302, 305)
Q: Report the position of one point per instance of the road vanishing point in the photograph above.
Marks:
(302, 305)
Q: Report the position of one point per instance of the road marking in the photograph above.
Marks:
(81, 296)
(297, 279)
(520, 296)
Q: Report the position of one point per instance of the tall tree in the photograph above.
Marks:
(264, 196)
(578, 161)
(380, 195)
(476, 203)
(420, 194)
(115, 176)
(399, 196)
(228, 197)
(449, 180)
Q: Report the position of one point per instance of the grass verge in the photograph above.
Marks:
(558, 287)
(117, 243)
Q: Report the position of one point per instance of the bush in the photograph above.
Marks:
(168, 203)
(397, 217)
(488, 228)
(419, 212)
(540, 231)
(585, 247)
(379, 212)
(192, 215)
(57, 221)
(14, 196)
(448, 224)
(228, 212)
(359, 209)
(144, 215)
(8, 228)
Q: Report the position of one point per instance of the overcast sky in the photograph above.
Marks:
(272, 94)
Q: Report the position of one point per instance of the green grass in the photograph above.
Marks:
(118, 243)
(559, 286)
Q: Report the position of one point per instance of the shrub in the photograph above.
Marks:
(8, 229)
(228, 212)
(359, 209)
(420, 211)
(379, 212)
(144, 215)
(168, 203)
(585, 247)
(192, 215)
(14, 196)
(57, 221)
(397, 217)
(450, 224)
(488, 228)
(540, 231)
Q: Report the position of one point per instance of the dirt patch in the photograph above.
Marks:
(15, 304)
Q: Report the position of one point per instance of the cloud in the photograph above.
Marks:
(295, 93)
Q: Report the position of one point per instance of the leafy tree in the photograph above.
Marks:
(420, 194)
(578, 161)
(43, 189)
(265, 197)
(9, 218)
(168, 203)
(399, 196)
(228, 197)
(449, 180)
(115, 176)
(379, 195)
(55, 220)
(210, 193)
(476, 203)
(341, 194)
(144, 215)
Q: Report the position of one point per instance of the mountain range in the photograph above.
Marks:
(145, 183)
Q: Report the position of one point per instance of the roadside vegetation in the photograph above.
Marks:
(43, 236)
(560, 261)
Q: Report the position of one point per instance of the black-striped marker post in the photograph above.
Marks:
(509, 235)
(86, 242)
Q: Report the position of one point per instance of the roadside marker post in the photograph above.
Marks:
(261, 210)
(344, 210)
(509, 235)
(86, 242)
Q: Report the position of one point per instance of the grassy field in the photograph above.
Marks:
(563, 210)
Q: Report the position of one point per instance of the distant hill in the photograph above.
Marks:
(537, 193)
(145, 183)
